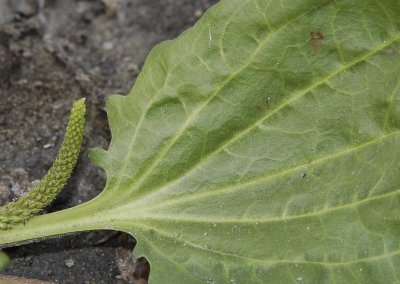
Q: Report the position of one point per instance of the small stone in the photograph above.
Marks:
(198, 13)
(69, 262)
(28, 260)
(22, 82)
(4, 194)
(111, 7)
(47, 146)
(27, 8)
(108, 45)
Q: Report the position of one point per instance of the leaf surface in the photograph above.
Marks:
(262, 146)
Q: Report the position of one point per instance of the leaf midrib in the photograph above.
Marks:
(257, 179)
(196, 219)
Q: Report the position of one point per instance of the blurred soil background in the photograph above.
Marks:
(53, 52)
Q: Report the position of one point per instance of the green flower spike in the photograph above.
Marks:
(53, 182)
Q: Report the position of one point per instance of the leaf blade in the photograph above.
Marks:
(281, 130)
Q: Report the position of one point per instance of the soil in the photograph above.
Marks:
(52, 53)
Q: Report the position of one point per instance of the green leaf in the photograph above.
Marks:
(4, 260)
(261, 146)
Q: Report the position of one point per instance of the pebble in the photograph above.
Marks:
(69, 262)
(27, 8)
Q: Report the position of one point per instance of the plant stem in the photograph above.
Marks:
(87, 216)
